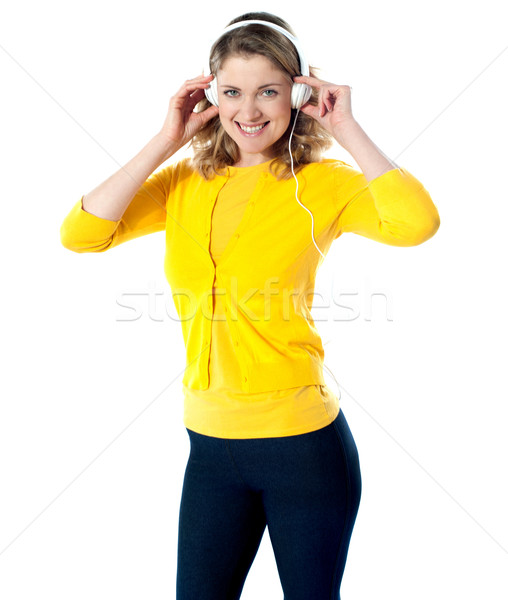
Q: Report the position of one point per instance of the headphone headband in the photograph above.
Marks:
(304, 67)
(300, 92)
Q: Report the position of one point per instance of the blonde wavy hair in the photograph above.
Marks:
(213, 148)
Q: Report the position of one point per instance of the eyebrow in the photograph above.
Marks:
(232, 87)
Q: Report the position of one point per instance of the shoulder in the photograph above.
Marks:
(177, 172)
(328, 168)
(181, 167)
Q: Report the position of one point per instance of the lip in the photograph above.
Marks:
(256, 133)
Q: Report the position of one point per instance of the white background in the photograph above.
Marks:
(92, 443)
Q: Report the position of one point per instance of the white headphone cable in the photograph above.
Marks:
(296, 191)
(312, 232)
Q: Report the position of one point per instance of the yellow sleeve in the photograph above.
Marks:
(82, 231)
(393, 208)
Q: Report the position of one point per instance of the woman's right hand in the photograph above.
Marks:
(181, 123)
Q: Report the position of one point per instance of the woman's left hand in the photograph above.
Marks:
(333, 111)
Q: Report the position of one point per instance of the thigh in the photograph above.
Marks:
(221, 524)
(311, 504)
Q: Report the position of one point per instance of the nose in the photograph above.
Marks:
(250, 112)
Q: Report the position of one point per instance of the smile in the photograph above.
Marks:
(249, 130)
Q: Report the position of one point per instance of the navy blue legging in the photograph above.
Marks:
(305, 487)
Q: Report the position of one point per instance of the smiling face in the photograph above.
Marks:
(254, 105)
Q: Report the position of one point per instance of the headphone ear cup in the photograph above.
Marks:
(300, 94)
(211, 92)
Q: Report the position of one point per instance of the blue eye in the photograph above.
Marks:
(269, 93)
(231, 93)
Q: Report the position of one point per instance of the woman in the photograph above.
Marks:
(270, 446)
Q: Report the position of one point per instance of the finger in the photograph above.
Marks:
(202, 118)
(313, 81)
(195, 97)
(200, 79)
(202, 76)
(327, 99)
(312, 111)
(209, 113)
(322, 102)
(191, 86)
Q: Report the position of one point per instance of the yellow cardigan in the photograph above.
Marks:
(265, 276)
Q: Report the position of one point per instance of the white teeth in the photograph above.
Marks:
(251, 129)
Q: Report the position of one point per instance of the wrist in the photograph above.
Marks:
(371, 160)
(347, 132)
(164, 146)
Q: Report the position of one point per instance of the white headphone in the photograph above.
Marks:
(300, 92)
